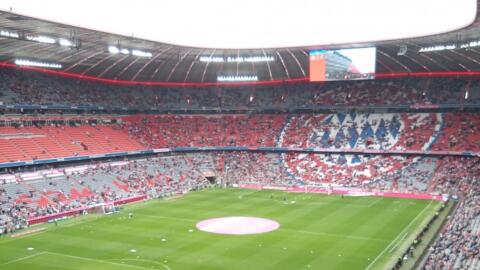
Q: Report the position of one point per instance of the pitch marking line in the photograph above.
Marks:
(22, 258)
(89, 259)
(399, 235)
(399, 241)
(374, 202)
(144, 260)
(95, 260)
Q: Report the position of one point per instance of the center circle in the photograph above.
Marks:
(238, 225)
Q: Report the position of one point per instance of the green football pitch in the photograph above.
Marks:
(316, 232)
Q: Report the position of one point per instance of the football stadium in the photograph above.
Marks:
(261, 134)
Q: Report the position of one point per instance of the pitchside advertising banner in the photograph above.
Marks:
(344, 64)
(348, 192)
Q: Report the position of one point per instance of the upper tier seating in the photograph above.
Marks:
(27, 87)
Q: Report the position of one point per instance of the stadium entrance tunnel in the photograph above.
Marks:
(212, 179)
(238, 225)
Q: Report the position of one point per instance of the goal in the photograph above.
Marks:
(103, 208)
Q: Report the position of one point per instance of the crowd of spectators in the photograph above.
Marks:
(379, 131)
(258, 168)
(458, 245)
(28, 87)
(340, 131)
(460, 132)
(205, 130)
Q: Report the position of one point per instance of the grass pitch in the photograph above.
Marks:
(316, 232)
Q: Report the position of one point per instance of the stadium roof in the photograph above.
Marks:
(89, 55)
(255, 24)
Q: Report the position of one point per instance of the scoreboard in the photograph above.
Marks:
(344, 64)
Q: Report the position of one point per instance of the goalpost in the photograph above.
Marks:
(102, 208)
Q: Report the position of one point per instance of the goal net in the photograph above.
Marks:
(103, 208)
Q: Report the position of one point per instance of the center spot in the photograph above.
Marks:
(238, 225)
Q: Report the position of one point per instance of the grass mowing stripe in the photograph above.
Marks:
(249, 193)
(400, 234)
(165, 217)
(336, 235)
(312, 203)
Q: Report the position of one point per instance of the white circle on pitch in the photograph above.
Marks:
(238, 225)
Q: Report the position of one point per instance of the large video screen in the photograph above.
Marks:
(345, 64)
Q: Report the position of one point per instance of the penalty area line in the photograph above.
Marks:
(96, 260)
(23, 258)
(144, 260)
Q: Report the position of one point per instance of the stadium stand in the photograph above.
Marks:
(362, 131)
(32, 194)
(179, 130)
(460, 132)
(26, 87)
(44, 142)
(22, 140)
(458, 244)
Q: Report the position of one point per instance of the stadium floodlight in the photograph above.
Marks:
(134, 52)
(65, 42)
(10, 34)
(250, 59)
(238, 59)
(465, 45)
(113, 49)
(470, 44)
(236, 78)
(215, 59)
(24, 62)
(41, 39)
(141, 53)
(437, 48)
